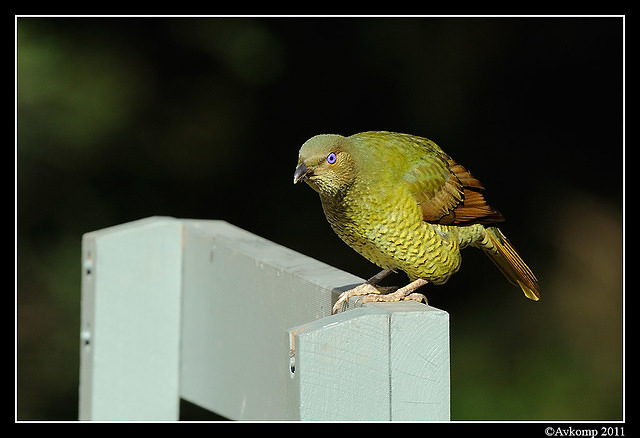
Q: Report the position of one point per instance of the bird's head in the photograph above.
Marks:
(326, 163)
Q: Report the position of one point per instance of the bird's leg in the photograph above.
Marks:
(366, 288)
(379, 277)
(404, 293)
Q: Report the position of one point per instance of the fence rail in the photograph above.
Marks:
(207, 312)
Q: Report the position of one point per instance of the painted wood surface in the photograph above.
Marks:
(205, 311)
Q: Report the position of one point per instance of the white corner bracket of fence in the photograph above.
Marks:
(204, 311)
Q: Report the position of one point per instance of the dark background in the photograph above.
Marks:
(124, 118)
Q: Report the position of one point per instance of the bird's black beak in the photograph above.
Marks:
(302, 171)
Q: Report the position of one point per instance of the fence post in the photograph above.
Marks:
(208, 312)
(130, 323)
(379, 362)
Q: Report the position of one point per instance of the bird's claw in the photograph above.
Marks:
(371, 294)
(416, 296)
(365, 289)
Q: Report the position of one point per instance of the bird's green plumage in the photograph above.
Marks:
(399, 200)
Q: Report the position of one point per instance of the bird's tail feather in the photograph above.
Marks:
(511, 264)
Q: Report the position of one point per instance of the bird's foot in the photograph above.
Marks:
(371, 294)
(405, 293)
(365, 289)
(390, 298)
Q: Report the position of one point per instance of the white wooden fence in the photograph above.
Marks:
(207, 312)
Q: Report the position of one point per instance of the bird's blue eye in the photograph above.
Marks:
(331, 158)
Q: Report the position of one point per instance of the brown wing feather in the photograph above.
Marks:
(457, 200)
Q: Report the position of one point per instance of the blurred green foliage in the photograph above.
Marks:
(124, 118)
